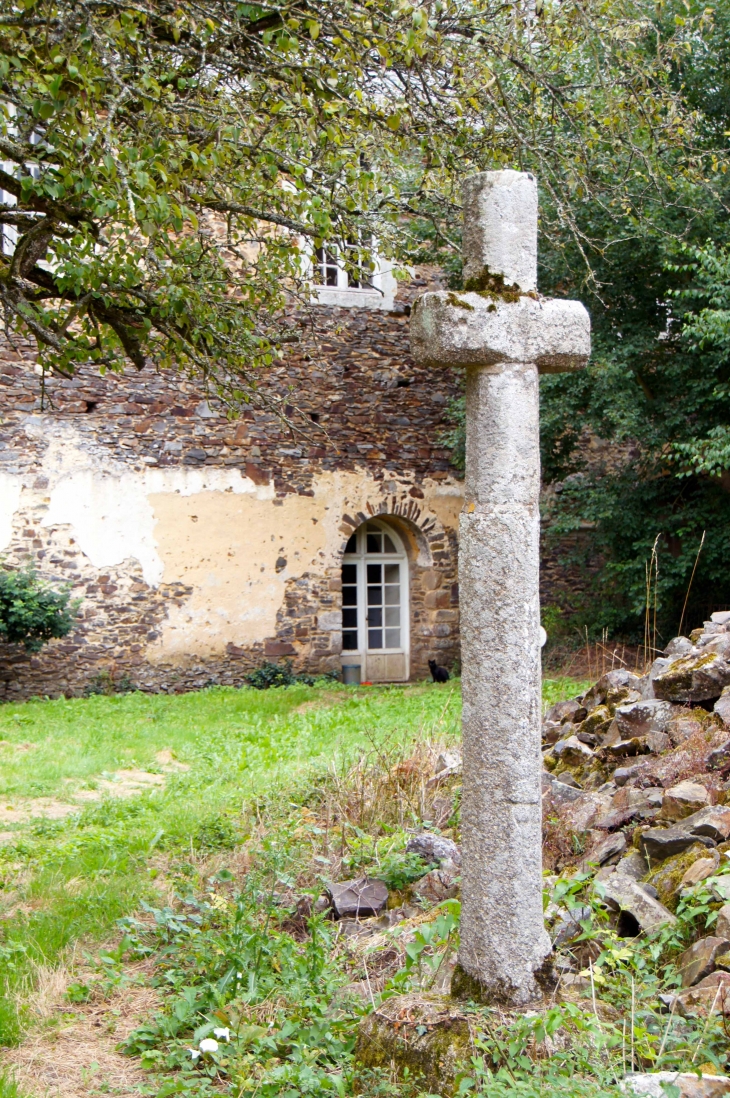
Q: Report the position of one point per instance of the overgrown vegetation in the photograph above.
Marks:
(281, 993)
(239, 744)
(259, 993)
(295, 758)
(270, 674)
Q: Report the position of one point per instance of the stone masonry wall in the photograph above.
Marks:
(200, 545)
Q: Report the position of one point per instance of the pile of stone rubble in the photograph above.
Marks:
(637, 776)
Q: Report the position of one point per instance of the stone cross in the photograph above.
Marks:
(505, 334)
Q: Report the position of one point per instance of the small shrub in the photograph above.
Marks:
(216, 833)
(78, 993)
(31, 611)
(397, 871)
(276, 674)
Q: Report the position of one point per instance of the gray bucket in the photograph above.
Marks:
(351, 674)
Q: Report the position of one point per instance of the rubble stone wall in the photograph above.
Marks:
(200, 545)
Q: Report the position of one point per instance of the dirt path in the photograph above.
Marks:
(122, 783)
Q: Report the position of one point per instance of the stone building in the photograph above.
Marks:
(200, 546)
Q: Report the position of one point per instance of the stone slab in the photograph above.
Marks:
(628, 895)
(688, 1083)
(360, 898)
(699, 960)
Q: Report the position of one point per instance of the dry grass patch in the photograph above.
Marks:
(70, 1051)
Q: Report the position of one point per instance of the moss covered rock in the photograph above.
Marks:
(667, 879)
(597, 722)
(693, 678)
(424, 1038)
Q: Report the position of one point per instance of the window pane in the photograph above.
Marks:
(374, 573)
(349, 641)
(392, 596)
(326, 267)
(375, 638)
(388, 546)
(349, 619)
(375, 596)
(375, 616)
(392, 638)
(349, 596)
(375, 543)
(392, 573)
(349, 573)
(351, 546)
(392, 615)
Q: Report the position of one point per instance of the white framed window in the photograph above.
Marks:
(341, 275)
(8, 233)
(344, 268)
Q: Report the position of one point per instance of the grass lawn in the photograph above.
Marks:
(68, 880)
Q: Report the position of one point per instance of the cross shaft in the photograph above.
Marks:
(504, 333)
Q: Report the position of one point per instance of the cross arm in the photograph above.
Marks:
(472, 329)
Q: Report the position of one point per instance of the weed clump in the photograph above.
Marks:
(276, 674)
(106, 684)
(218, 832)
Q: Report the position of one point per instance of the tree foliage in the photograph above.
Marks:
(165, 162)
(166, 166)
(657, 389)
(32, 612)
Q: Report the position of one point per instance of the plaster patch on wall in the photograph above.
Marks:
(445, 499)
(230, 549)
(10, 488)
(111, 518)
(108, 507)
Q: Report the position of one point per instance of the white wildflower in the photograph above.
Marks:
(195, 1054)
(223, 1033)
(208, 1045)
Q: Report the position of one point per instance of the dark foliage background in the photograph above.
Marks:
(655, 275)
(658, 389)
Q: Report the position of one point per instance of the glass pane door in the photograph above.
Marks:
(383, 605)
(374, 602)
(349, 607)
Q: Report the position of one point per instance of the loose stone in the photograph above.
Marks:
(683, 800)
(699, 960)
(360, 898)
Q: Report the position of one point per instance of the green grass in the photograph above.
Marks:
(8, 1088)
(238, 732)
(555, 690)
(62, 881)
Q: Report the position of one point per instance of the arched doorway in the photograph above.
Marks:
(375, 613)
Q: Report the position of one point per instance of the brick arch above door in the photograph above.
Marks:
(427, 537)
